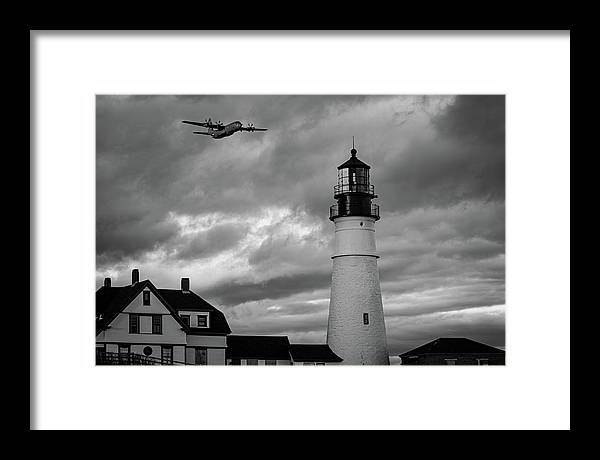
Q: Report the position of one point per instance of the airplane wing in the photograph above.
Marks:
(204, 124)
(250, 128)
(197, 123)
(202, 132)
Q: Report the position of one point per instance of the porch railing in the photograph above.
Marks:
(130, 359)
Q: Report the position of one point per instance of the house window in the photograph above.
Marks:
(156, 324)
(320, 364)
(252, 362)
(134, 324)
(365, 318)
(482, 361)
(146, 297)
(270, 362)
(202, 320)
(186, 319)
(450, 362)
(235, 362)
(201, 356)
(167, 355)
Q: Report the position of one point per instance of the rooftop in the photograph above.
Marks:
(110, 301)
(453, 345)
(353, 162)
(258, 347)
(313, 353)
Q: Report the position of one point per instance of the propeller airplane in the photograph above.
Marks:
(218, 130)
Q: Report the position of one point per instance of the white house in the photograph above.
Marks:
(140, 324)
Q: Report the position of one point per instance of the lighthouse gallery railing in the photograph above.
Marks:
(345, 187)
(353, 210)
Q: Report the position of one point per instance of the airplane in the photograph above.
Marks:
(218, 130)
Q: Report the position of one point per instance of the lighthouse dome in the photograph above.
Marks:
(353, 162)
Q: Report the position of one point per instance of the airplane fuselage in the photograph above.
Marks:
(226, 131)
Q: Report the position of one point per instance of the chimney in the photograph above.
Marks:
(106, 282)
(185, 285)
(135, 276)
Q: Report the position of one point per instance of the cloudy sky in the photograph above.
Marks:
(246, 217)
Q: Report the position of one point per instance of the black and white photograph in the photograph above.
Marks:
(300, 229)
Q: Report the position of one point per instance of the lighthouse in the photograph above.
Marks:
(356, 327)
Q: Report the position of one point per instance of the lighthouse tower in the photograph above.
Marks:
(356, 328)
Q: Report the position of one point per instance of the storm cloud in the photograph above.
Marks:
(246, 217)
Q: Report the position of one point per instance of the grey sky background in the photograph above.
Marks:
(246, 217)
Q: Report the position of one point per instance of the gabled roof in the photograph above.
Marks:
(313, 353)
(258, 347)
(110, 301)
(453, 345)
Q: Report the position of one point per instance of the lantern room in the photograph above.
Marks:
(354, 191)
(353, 176)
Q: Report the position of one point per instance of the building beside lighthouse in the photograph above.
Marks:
(139, 323)
(356, 327)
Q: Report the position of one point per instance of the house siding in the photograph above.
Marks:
(172, 334)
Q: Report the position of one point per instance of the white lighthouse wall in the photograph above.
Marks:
(355, 291)
(354, 236)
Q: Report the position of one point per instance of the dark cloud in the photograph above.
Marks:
(205, 243)
(461, 159)
(247, 217)
(235, 292)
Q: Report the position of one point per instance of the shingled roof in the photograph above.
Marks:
(110, 301)
(315, 353)
(258, 347)
(190, 301)
(453, 345)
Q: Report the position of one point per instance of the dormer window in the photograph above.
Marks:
(146, 297)
(202, 320)
(186, 319)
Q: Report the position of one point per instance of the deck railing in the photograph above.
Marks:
(130, 359)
